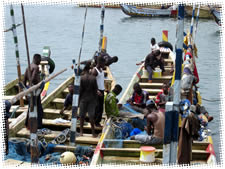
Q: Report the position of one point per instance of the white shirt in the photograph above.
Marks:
(100, 79)
(154, 47)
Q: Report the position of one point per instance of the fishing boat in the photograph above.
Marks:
(120, 152)
(216, 15)
(150, 12)
(204, 12)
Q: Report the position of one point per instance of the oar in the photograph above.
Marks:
(33, 106)
(76, 90)
(16, 50)
(101, 27)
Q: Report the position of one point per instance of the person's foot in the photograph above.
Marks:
(98, 125)
(149, 81)
(210, 118)
(94, 135)
(81, 134)
(132, 137)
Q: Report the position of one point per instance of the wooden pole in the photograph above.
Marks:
(17, 51)
(34, 87)
(101, 27)
(177, 83)
(76, 91)
(32, 107)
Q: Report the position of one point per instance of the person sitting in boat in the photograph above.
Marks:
(153, 45)
(162, 97)
(155, 125)
(99, 74)
(113, 109)
(68, 101)
(88, 99)
(139, 98)
(35, 79)
(189, 55)
(153, 60)
(111, 106)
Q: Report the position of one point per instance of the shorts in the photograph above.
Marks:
(87, 106)
(146, 139)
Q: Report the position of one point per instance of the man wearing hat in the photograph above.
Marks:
(156, 120)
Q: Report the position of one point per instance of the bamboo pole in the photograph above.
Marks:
(34, 87)
(16, 50)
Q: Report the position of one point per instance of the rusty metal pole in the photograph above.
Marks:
(33, 106)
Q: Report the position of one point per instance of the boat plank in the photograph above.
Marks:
(86, 139)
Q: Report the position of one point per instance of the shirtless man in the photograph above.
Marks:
(35, 79)
(156, 120)
(88, 100)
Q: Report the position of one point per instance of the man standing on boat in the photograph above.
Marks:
(156, 121)
(153, 60)
(99, 73)
(35, 79)
(88, 99)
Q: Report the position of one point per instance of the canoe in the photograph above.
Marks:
(204, 12)
(52, 105)
(216, 15)
(116, 151)
(149, 12)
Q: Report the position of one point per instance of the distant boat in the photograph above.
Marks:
(216, 15)
(141, 11)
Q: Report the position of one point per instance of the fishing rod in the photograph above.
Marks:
(33, 105)
(101, 27)
(13, 29)
(77, 72)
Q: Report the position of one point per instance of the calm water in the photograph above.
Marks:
(60, 28)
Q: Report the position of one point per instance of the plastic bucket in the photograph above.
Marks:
(147, 154)
(157, 73)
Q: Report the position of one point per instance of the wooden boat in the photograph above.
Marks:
(52, 106)
(113, 151)
(204, 12)
(216, 15)
(150, 12)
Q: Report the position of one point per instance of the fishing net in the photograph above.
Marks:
(113, 143)
(84, 154)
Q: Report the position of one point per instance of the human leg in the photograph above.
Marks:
(99, 109)
(91, 113)
(149, 70)
(83, 111)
